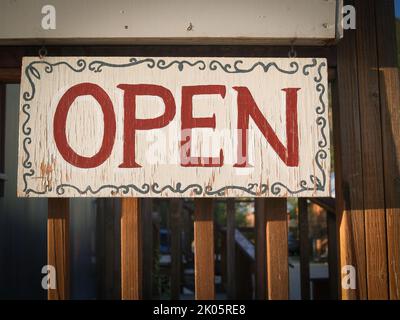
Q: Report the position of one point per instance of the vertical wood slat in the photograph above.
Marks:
(277, 249)
(147, 249)
(204, 249)
(107, 249)
(261, 249)
(231, 248)
(2, 133)
(332, 255)
(304, 249)
(348, 165)
(389, 85)
(176, 250)
(371, 141)
(131, 275)
(58, 246)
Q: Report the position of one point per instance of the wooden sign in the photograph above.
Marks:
(173, 127)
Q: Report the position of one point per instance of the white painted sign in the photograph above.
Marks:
(173, 127)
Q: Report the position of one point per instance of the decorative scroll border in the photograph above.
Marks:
(252, 189)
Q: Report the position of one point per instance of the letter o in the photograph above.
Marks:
(60, 122)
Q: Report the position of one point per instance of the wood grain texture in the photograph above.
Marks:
(58, 247)
(159, 149)
(348, 165)
(277, 249)
(371, 142)
(389, 85)
(305, 252)
(204, 249)
(131, 264)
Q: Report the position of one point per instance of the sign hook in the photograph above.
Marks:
(292, 52)
(42, 52)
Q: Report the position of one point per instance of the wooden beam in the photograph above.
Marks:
(261, 249)
(389, 85)
(304, 249)
(348, 165)
(277, 249)
(327, 203)
(204, 249)
(10, 75)
(147, 248)
(332, 255)
(371, 142)
(2, 136)
(231, 248)
(176, 252)
(131, 276)
(58, 247)
(11, 56)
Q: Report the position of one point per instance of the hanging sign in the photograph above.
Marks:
(173, 127)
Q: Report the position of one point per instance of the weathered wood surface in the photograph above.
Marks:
(366, 129)
(131, 255)
(389, 86)
(204, 250)
(58, 247)
(277, 249)
(371, 142)
(181, 21)
(67, 150)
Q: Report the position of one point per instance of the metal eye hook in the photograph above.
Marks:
(42, 52)
(292, 52)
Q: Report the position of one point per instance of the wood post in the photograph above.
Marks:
(176, 252)
(389, 86)
(58, 247)
(371, 144)
(332, 255)
(348, 165)
(304, 249)
(231, 248)
(204, 249)
(108, 248)
(261, 249)
(368, 152)
(277, 249)
(148, 247)
(131, 275)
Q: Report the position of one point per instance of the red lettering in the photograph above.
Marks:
(131, 123)
(60, 121)
(248, 108)
(189, 122)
